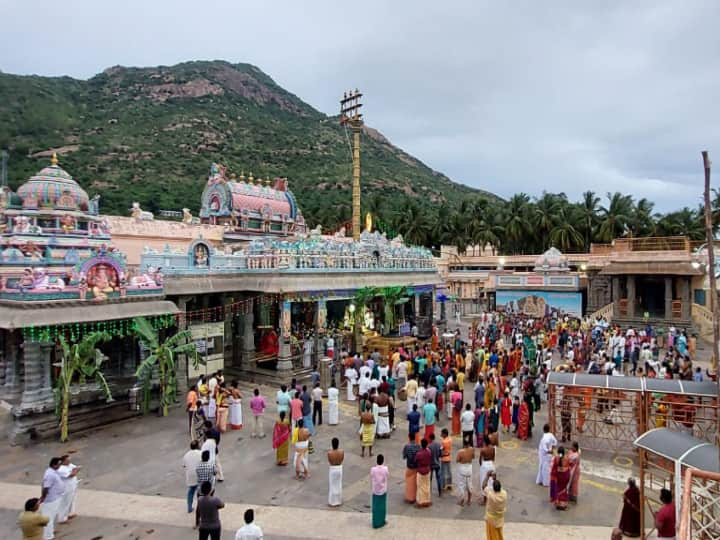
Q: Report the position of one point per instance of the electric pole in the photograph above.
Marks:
(350, 115)
(711, 272)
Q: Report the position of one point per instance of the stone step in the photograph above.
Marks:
(82, 418)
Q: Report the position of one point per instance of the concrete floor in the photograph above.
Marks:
(144, 457)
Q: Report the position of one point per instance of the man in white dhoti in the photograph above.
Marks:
(545, 455)
(351, 375)
(333, 398)
(335, 470)
(68, 472)
(382, 420)
(53, 489)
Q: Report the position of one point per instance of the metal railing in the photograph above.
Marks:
(700, 510)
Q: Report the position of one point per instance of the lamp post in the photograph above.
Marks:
(350, 115)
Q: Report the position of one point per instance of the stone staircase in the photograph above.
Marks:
(269, 377)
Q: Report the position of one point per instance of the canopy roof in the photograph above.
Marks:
(637, 384)
(12, 317)
(678, 446)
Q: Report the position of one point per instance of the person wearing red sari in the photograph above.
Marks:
(630, 517)
(574, 461)
(560, 480)
(455, 398)
(506, 411)
(523, 430)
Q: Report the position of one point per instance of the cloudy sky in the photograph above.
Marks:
(505, 96)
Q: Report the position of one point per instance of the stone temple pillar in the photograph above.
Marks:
(320, 324)
(13, 387)
(248, 340)
(285, 354)
(668, 297)
(686, 297)
(616, 295)
(631, 294)
(37, 391)
(181, 371)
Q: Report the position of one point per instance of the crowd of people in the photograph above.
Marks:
(501, 368)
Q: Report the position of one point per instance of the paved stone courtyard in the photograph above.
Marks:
(133, 485)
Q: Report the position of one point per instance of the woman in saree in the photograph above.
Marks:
(281, 439)
(630, 516)
(560, 480)
(523, 429)
(574, 462)
(236, 419)
(480, 426)
(221, 407)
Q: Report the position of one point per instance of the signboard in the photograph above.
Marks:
(539, 303)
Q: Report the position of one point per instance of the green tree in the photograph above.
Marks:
(615, 217)
(163, 354)
(361, 300)
(517, 224)
(546, 208)
(565, 236)
(413, 224)
(391, 297)
(82, 360)
(588, 216)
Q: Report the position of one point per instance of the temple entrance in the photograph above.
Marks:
(650, 296)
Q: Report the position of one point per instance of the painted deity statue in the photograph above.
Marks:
(101, 284)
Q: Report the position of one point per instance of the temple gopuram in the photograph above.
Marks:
(61, 275)
(263, 297)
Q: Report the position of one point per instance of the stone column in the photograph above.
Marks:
(181, 371)
(320, 324)
(686, 297)
(128, 356)
(37, 391)
(668, 297)
(616, 295)
(12, 388)
(285, 354)
(631, 296)
(248, 340)
(416, 305)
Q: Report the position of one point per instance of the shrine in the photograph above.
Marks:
(61, 275)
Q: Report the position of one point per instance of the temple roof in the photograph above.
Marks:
(551, 261)
(47, 186)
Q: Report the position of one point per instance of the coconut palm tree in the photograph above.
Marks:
(587, 210)
(517, 222)
(615, 217)
(413, 224)
(545, 217)
(82, 360)
(565, 236)
(162, 354)
(642, 222)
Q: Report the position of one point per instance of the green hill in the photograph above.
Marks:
(150, 134)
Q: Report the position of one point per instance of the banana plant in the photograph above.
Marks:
(162, 354)
(392, 296)
(84, 360)
(361, 300)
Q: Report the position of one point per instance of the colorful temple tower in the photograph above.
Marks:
(248, 208)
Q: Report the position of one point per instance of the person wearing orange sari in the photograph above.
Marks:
(560, 480)
(574, 462)
(435, 339)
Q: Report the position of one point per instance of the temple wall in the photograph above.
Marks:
(131, 235)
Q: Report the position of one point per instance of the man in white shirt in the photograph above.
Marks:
(68, 472)
(53, 489)
(191, 460)
(467, 423)
(249, 531)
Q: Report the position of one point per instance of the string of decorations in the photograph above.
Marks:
(125, 327)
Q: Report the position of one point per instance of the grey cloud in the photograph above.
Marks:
(515, 96)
